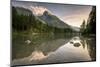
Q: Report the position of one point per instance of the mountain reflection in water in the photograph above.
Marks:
(60, 50)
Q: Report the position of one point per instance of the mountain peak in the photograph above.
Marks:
(46, 13)
(39, 10)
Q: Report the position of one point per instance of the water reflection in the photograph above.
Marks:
(24, 45)
(58, 50)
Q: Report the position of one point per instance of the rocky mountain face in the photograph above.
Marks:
(53, 20)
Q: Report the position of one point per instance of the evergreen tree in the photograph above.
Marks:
(83, 27)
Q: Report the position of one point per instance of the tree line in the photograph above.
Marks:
(89, 27)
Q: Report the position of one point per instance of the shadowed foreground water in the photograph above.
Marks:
(48, 49)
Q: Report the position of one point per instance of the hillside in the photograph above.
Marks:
(24, 20)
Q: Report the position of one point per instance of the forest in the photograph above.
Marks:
(89, 28)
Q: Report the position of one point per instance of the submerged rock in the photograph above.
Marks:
(71, 42)
(76, 44)
(28, 41)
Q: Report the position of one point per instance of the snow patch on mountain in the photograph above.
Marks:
(38, 10)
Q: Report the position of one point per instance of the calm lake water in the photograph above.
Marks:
(45, 48)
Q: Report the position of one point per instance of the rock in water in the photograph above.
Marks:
(76, 44)
(71, 42)
(28, 41)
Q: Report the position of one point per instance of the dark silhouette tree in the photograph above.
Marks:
(91, 23)
(83, 26)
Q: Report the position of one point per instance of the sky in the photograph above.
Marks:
(70, 14)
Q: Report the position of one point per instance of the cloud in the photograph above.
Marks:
(76, 19)
(38, 10)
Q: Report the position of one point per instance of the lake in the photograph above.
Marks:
(44, 48)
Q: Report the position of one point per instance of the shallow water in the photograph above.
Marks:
(41, 49)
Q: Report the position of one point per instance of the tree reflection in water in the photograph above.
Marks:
(61, 50)
(91, 46)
